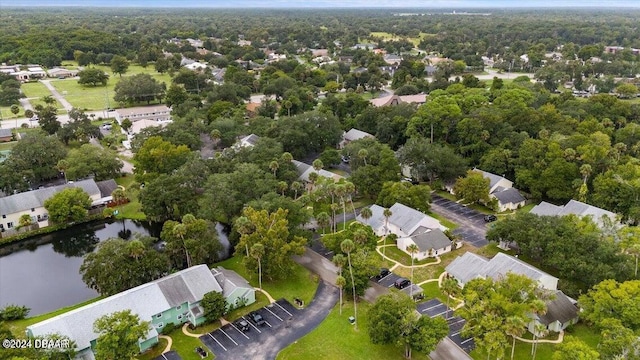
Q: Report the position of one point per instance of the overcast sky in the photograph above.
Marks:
(332, 3)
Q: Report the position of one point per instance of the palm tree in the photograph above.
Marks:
(25, 221)
(257, 252)
(366, 214)
(515, 326)
(339, 261)
(360, 236)
(387, 214)
(539, 331)
(347, 246)
(215, 135)
(288, 104)
(180, 230)
(334, 226)
(413, 249)
(323, 220)
(273, 166)
(450, 287)
(317, 165)
(286, 157)
(282, 186)
(340, 192)
(296, 186)
(362, 154)
(340, 283)
(136, 249)
(630, 243)
(244, 227)
(313, 177)
(350, 190)
(118, 195)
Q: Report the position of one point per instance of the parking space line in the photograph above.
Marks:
(238, 330)
(274, 314)
(384, 277)
(266, 322)
(439, 314)
(457, 321)
(285, 310)
(469, 339)
(227, 335)
(216, 340)
(253, 326)
(434, 306)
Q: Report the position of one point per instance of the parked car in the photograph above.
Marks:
(383, 273)
(402, 283)
(106, 126)
(242, 325)
(257, 318)
(490, 218)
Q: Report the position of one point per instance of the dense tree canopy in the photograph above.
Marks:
(68, 205)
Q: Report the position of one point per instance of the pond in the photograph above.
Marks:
(42, 273)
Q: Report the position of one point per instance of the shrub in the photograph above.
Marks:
(14, 312)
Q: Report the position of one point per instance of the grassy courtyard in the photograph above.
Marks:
(133, 209)
(336, 339)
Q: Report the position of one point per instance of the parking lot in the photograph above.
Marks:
(228, 337)
(472, 227)
(435, 307)
(170, 355)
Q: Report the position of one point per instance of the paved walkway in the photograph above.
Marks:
(65, 104)
(169, 342)
(185, 330)
(269, 297)
(556, 341)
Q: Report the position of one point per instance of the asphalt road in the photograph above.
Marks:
(472, 227)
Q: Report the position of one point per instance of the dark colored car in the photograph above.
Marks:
(242, 325)
(402, 283)
(383, 273)
(490, 218)
(257, 319)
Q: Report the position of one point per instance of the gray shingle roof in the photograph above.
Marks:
(493, 178)
(467, 267)
(304, 170)
(230, 280)
(106, 187)
(251, 139)
(145, 300)
(355, 134)
(36, 198)
(405, 218)
(573, 207)
(377, 218)
(502, 263)
(546, 209)
(470, 266)
(427, 239)
(560, 309)
(511, 195)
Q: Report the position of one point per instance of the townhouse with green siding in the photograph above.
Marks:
(173, 299)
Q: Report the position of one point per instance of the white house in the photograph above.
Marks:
(353, 135)
(411, 227)
(248, 141)
(598, 215)
(501, 189)
(32, 202)
(561, 310)
(195, 66)
(430, 243)
(157, 113)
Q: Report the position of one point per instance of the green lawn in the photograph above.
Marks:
(101, 97)
(301, 283)
(7, 114)
(186, 345)
(443, 220)
(402, 257)
(35, 90)
(446, 195)
(18, 327)
(336, 339)
(154, 351)
(8, 145)
(133, 209)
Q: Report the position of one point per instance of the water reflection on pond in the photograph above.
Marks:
(43, 273)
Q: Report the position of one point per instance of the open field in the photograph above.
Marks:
(389, 36)
(35, 90)
(7, 114)
(101, 97)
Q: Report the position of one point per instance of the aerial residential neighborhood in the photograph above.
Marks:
(321, 180)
